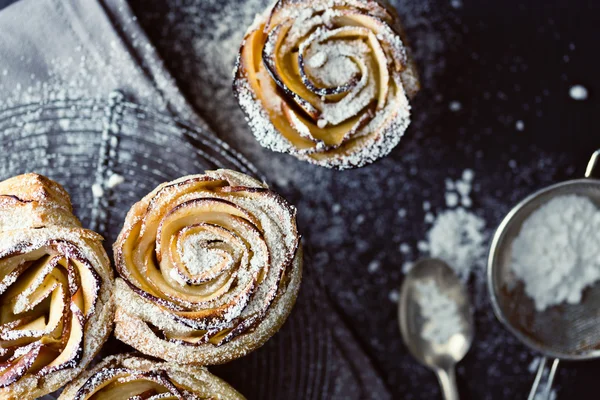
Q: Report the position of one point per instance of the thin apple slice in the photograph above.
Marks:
(33, 286)
(15, 368)
(295, 90)
(384, 75)
(251, 70)
(89, 285)
(335, 135)
(323, 91)
(57, 312)
(72, 351)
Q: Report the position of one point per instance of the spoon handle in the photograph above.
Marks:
(447, 379)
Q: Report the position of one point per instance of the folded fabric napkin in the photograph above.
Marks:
(62, 49)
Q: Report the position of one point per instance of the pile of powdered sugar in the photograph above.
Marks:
(442, 318)
(457, 235)
(557, 252)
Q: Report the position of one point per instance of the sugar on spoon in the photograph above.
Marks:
(436, 320)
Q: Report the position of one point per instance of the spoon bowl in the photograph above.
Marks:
(440, 356)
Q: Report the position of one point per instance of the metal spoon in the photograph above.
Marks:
(441, 358)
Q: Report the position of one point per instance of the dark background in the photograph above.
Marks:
(503, 61)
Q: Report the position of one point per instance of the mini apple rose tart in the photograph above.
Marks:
(210, 267)
(127, 376)
(326, 80)
(56, 281)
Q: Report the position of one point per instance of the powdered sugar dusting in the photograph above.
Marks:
(365, 71)
(242, 253)
(457, 235)
(441, 314)
(557, 252)
(197, 256)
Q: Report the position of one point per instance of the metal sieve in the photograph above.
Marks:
(562, 332)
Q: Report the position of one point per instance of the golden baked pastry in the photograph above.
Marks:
(56, 282)
(126, 376)
(326, 81)
(209, 265)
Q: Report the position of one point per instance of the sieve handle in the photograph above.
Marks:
(538, 378)
(447, 379)
(593, 167)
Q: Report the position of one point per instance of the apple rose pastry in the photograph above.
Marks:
(210, 267)
(130, 377)
(56, 308)
(326, 81)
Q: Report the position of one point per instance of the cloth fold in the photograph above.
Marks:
(60, 49)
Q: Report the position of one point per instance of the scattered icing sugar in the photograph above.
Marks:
(578, 92)
(520, 126)
(177, 277)
(457, 237)
(317, 59)
(374, 266)
(451, 199)
(455, 106)
(557, 253)
(197, 255)
(97, 190)
(335, 63)
(405, 248)
(114, 180)
(441, 314)
(394, 296)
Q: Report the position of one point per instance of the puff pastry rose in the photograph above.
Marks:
(210, 267)
(56, 307)
(326, 80)
(131, 377)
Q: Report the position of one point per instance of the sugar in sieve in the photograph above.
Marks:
(562, 332)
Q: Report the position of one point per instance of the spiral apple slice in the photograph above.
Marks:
(326, 90)
(333, 136)
(84, 284)
(222, 255)
(251, 69)
(323, 91)
(378, 27)
(226, 247)
(283, 73)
